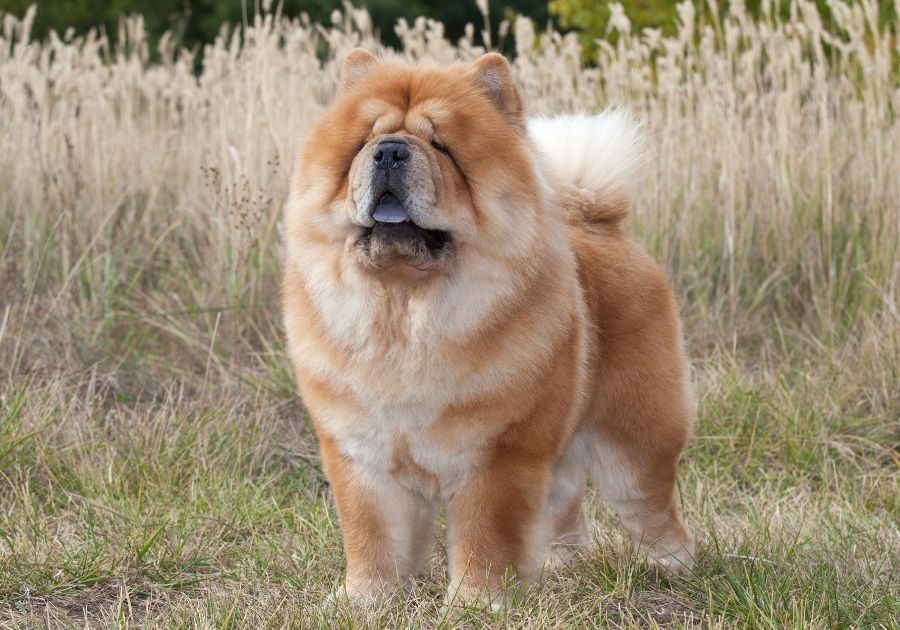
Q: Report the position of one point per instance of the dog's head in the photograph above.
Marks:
(414, 168)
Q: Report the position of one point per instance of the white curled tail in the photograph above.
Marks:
(595, 158)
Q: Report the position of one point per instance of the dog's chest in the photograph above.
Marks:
(392, 390)
(396, 442)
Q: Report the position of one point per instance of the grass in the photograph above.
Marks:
(156, 468)
(185, 509)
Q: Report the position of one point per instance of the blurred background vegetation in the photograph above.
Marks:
(197, 22)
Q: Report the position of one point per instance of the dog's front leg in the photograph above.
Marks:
(388, 531)
(497, 522)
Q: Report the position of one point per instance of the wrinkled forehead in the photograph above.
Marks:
(420, 119)
(419, 102)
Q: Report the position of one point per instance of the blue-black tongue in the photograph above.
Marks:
(389, 210)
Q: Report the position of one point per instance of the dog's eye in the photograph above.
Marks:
(440, 147)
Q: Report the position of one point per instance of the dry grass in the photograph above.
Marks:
(155, 467)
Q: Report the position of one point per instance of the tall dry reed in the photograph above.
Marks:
(139, 201)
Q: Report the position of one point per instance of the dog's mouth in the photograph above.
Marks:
(395, 235)
(390, 210)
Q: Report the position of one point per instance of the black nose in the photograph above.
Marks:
(389, 153)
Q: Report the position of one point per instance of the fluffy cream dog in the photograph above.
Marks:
(470, 325)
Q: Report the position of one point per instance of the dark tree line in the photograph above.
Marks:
(195, 22)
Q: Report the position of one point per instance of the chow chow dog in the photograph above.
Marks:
(471, 326)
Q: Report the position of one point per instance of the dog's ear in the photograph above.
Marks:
(494, 76)
(356, 64)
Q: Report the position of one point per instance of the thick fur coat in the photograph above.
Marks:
(470, 325)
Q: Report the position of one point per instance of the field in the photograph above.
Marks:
(156, 468)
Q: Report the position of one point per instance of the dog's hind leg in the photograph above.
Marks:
(638, 482)
(570, 527)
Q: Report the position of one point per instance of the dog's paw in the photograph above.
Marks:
(674, 559)
(566, 550)
(365, 599)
